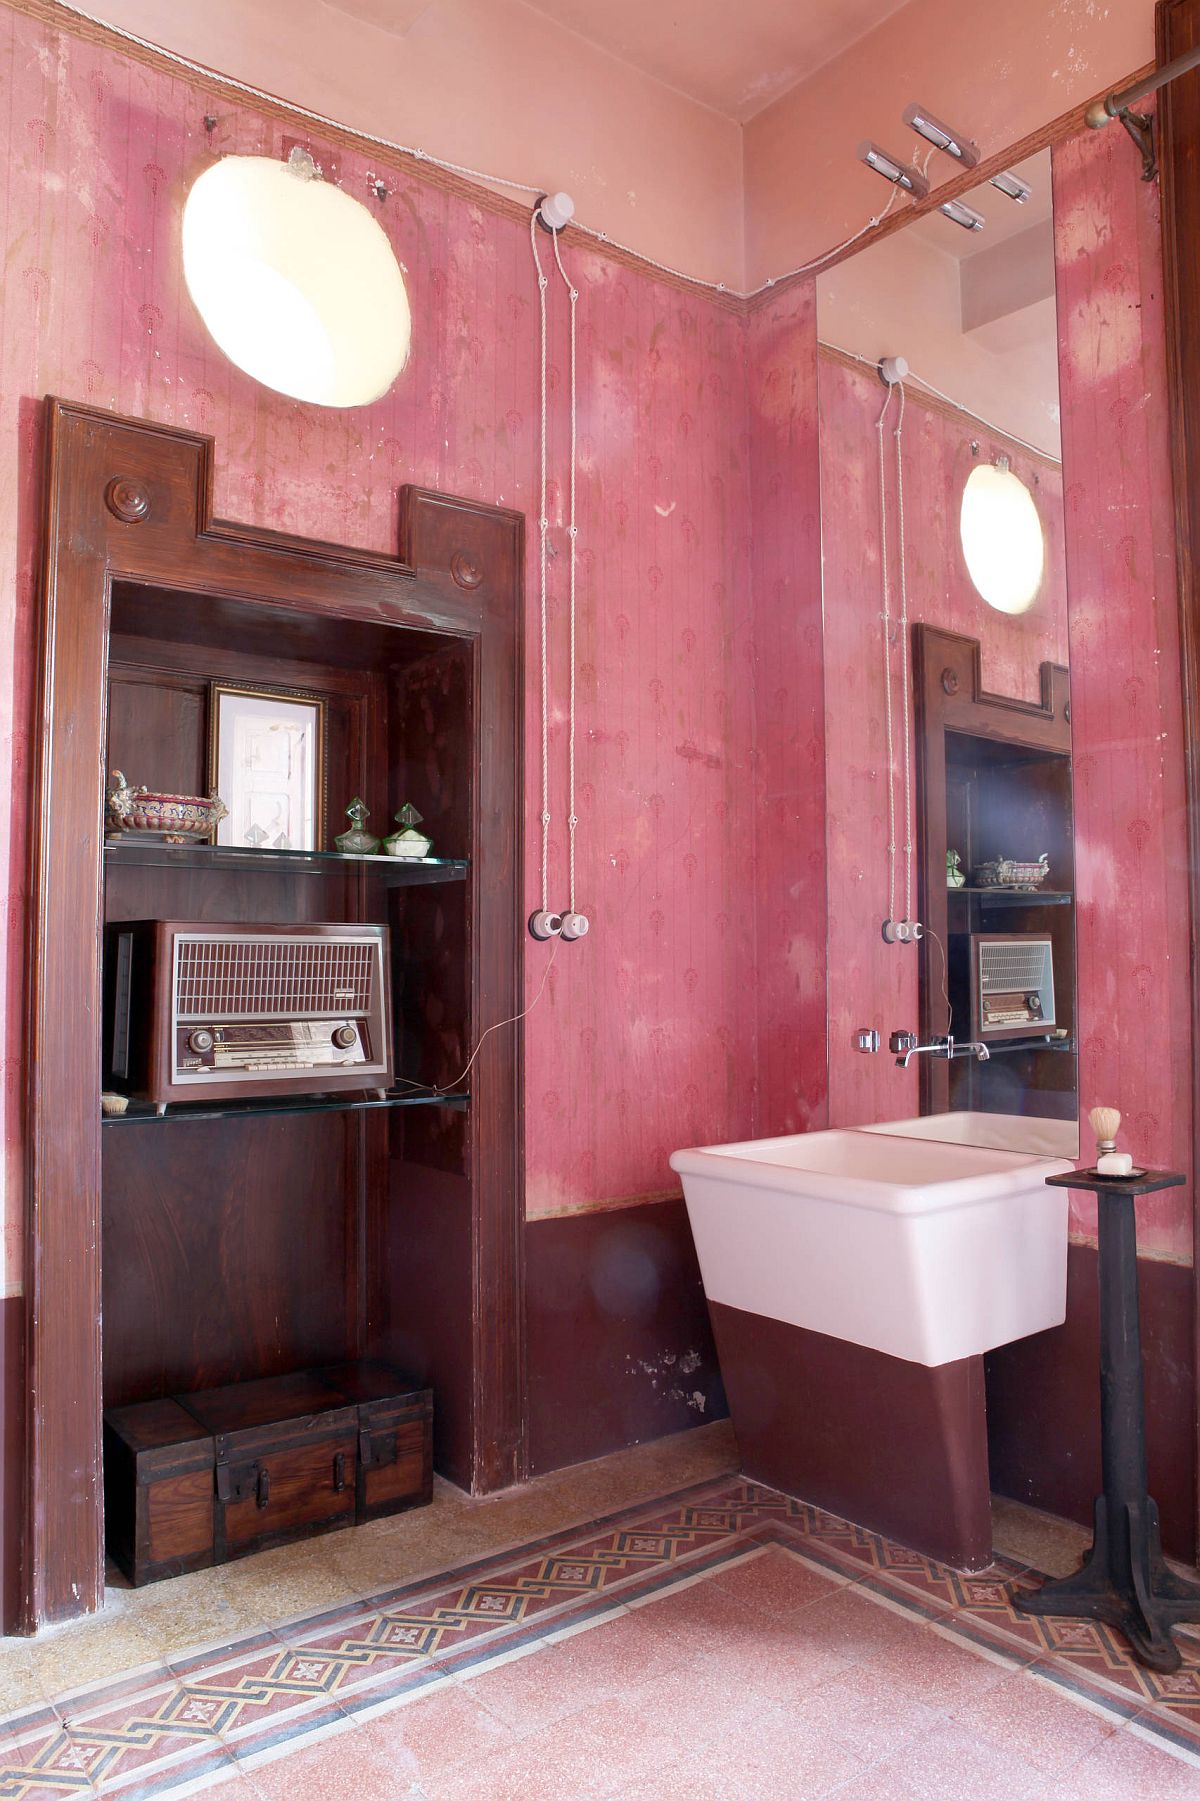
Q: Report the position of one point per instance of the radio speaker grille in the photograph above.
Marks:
(1004, 968)
(277, 977)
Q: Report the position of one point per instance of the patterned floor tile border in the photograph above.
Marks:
(174, 1730)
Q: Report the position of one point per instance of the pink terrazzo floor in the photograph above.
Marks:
(765, 1678)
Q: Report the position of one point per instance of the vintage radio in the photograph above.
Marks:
(240, 1011)
(1012, 985)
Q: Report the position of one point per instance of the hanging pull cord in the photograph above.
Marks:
(904, 681)
(887, 659)
(543, 528)
(572, 537)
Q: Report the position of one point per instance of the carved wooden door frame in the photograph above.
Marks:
(129, 499)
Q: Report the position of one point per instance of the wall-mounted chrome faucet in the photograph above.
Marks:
(904, 1047)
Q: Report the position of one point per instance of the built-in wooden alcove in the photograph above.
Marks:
(205, 1250)
(993, 780)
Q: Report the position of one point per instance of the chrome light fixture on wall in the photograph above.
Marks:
(943, 137)
(965, 216)
(1012, 185)
(893, 169)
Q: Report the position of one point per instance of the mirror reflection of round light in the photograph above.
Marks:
(1002, 538)
(296, 281)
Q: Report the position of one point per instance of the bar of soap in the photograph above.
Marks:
(1115, 1163)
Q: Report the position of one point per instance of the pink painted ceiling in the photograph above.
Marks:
(736, 60)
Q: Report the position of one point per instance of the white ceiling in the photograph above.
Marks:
(735, 58)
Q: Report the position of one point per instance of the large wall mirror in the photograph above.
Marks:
(946, 658)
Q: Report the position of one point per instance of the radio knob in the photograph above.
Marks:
(200, 1041)
(344, 1037)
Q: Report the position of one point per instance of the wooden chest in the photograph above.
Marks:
(395, 1437)
(158, 1490)
(284, 1451)
(207, 1477)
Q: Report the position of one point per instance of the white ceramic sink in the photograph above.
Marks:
(926, 1250)
(999, 1131)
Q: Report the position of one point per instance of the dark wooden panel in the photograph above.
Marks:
(1043, 1403)
(12, 1458)
(894, 1446)
(620, 1347)
(156, 731)
(427, 1256)
(224, 1252)
(1178, 31)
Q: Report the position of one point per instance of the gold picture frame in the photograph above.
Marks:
(267, 747)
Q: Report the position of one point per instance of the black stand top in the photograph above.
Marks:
(1147, 1183)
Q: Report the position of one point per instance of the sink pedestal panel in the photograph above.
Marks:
(898, 1447)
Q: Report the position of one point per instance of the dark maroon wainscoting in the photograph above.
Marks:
(1044, 1410)
(12, 1456)
(619, 1345)
(894, 1446)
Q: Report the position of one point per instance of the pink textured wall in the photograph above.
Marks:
(788, 770)
(1126, 695)
(645, 1036)
(871, 983)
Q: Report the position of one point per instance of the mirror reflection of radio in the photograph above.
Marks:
(1012, 985)
(197, 1010)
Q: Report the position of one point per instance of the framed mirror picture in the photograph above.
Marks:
(266, 759)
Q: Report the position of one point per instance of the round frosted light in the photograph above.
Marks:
(1002, 538)
(296, 281)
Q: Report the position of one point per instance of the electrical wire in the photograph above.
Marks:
(543, 528)
(930, 933)
(514, 1019)
(572, 536)
(440, 162)
(908, 798)
(885, 582)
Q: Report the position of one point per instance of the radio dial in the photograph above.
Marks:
(200, 1041)
(344, 1037)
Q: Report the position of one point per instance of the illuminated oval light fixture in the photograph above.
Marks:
(295, 280)
(1002, 537)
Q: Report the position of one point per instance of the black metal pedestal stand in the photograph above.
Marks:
(1124, 1580)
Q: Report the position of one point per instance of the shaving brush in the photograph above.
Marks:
(1106, 1123)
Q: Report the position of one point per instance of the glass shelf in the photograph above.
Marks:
(1017, 897)
(395, 872)
(142, 1113)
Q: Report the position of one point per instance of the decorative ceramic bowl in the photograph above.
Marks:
(1010, 872)
(175, 818)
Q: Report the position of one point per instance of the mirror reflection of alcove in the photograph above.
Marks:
(972, 311)
(994, 773)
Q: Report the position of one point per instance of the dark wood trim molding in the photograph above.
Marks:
(1177, 31)
(460, 574)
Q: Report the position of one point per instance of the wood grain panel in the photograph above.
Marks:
(224, 1252)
